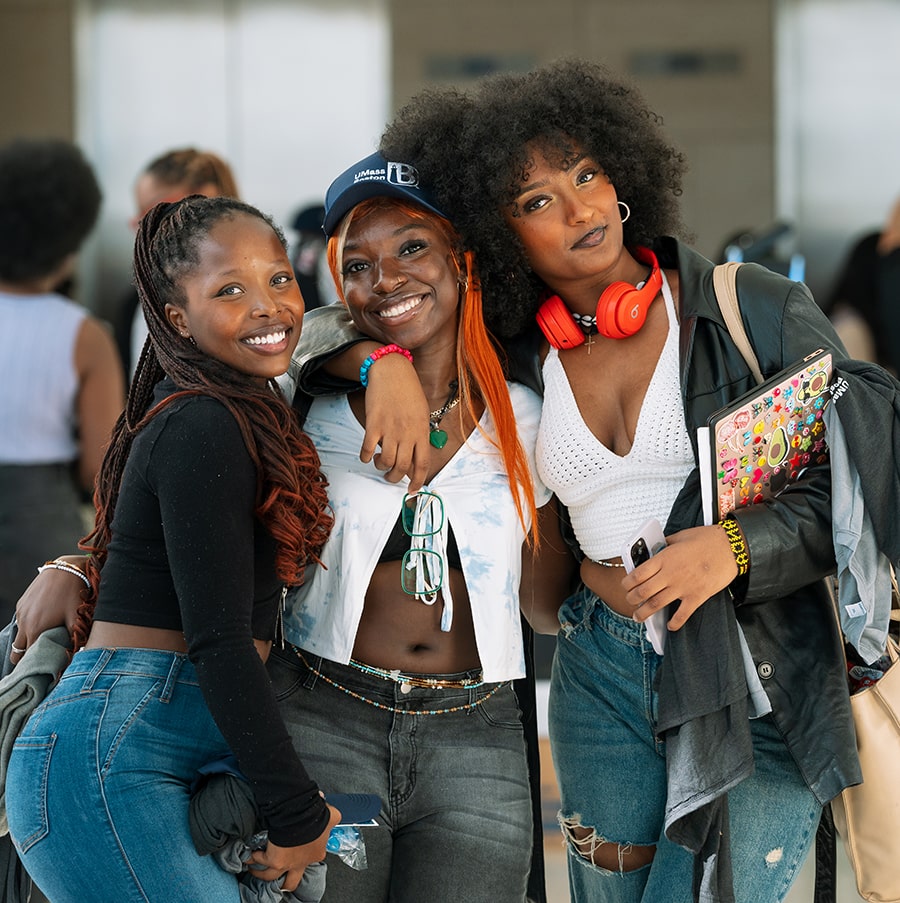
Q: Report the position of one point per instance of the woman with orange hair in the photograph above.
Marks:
(397, 674)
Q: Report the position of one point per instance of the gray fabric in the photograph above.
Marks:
(23, 690)
(16, 885)
(223, 821)
(222, 809)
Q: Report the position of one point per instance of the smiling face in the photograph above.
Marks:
(399, 278)
(243, 306)
(568, 220)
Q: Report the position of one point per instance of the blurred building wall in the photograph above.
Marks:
(785, 108)
(37, 97)
(706, 66)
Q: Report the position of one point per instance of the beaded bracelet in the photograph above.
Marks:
(738, 547)
(377, 353)
(59, 565)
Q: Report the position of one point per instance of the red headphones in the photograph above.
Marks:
(621, 310)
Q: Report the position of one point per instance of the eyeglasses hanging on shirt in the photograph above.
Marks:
(422, 567)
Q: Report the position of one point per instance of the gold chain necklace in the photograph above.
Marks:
(438, 437)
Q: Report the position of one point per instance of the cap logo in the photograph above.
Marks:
(403, 174)
(397, 174)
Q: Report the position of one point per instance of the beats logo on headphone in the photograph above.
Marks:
(621, 310)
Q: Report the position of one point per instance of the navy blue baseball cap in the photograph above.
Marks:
(371, 178)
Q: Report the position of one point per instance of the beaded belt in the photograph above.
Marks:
(407, 682)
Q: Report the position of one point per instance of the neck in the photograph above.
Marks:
(582, 297)
(436, 371)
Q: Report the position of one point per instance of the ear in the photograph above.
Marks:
(178, 318)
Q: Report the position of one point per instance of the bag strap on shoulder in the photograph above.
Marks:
(725, 285)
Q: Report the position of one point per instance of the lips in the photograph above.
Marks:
(591, 239)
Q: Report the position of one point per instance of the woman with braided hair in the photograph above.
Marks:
(168, 177)
(210, 501)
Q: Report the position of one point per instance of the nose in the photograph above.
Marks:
(577, 210)
(268, 304)
(388, 276)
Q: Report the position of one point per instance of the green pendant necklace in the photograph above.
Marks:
(438, 437)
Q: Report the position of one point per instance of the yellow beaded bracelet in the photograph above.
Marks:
(738, 547)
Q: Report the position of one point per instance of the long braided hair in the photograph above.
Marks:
(291, 497)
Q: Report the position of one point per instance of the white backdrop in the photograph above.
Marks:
(289, 93)
(838, 138)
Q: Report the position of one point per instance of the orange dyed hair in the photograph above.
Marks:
(480, 371)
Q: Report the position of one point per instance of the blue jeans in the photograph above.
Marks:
(456, 817)
(612, 772)
(98, 786)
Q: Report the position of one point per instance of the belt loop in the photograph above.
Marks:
(178, 659)
(309, 681)
(97, 670)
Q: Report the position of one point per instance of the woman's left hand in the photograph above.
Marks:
(694, 566)
(288, 863)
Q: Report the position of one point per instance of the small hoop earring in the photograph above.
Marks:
(627, 210)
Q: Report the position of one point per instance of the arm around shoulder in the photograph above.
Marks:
(323, 364)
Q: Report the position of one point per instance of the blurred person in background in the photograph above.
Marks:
(169, 177)
(864, 304)
(308, 257)
(63, 385)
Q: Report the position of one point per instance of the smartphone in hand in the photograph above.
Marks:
(647, 542)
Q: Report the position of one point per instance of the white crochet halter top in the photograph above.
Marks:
(609, 496)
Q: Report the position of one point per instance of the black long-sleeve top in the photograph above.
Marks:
(187, 553)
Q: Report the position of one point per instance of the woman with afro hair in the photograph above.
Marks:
(700, 773)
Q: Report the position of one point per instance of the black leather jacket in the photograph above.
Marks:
(783, 604)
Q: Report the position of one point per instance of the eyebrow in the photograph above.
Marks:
(232, 271)
(535, 185)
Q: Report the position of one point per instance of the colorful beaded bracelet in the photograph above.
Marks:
(738, 547)
(377, 353)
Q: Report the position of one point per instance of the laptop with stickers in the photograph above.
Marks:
(754, 447)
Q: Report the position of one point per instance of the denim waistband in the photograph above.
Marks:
(586, 607)
(397, 695)
(174, 667)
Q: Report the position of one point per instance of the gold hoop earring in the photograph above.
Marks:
(627, 210)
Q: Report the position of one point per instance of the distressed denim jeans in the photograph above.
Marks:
(456, 807)
(98, 786)
(612, 773)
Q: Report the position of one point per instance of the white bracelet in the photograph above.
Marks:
(59, 565)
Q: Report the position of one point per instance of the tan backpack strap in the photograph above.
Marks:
(724, 276)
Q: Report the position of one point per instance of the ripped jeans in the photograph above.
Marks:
(612, 775)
